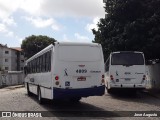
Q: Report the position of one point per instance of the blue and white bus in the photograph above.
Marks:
(66, 71)
(125, 69)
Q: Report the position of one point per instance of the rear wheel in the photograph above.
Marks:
(134, 91)
(28, 92)
(77, 99)
(110, 91)
(40, 100)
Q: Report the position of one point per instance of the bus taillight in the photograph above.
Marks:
(102, 79)
(102, 76)
(56, 78)
(111, 76)
(144, 77)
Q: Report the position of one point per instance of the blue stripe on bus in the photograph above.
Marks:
(60, 93)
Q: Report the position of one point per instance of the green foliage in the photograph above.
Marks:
(130, 25)
(33, 44)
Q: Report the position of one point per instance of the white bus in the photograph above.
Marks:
(66, 71)
(125, 70)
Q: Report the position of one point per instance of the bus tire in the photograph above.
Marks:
(134, 91)
(28, 92)
(40, 100)
(75, 100)
(110, 91)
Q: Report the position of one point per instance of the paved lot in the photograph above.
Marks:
(16, 99)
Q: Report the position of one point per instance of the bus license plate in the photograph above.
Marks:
(127, 79)
(81, 79)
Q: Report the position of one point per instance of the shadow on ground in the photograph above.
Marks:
(69, 109)
(140, 96)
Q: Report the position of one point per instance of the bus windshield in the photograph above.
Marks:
(79, 53)
(127, 59)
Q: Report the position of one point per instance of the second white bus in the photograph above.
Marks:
(66, 71)
(125, 70)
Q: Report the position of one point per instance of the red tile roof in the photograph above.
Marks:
(16, 48)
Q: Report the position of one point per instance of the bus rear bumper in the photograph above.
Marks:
(59, 93)
(136, 86)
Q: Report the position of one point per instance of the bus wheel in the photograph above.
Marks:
(40, 100)
(28, 92)
(77, 99)
(110, 91)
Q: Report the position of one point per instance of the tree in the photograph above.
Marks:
(33, 44)
(130, 25)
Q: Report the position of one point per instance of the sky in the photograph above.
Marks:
(63, 20)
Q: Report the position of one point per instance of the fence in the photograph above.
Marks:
(153, 76)
(11, 78)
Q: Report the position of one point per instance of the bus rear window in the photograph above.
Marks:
(127, 59)
(79, 53)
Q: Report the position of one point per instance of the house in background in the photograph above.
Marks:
(11, 59)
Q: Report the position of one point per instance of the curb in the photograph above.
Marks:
(12, 87)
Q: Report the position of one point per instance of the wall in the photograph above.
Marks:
(11, 78)
(153, 76)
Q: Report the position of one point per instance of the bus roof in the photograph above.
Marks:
(127, 52)
(76, 43)
(60, 43)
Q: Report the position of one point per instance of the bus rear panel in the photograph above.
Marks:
(79, 69)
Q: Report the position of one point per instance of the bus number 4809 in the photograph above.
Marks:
(81, 71)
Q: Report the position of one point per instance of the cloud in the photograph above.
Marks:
(9, 21)
(55, 27)
(53, 8)
(92, 25)
(8, 33)
(65, 38)
(33, 7)
(19, 39)
(7, 7)
(43, 23)
(76, 38)
(74, 8)
(81, 38)
(4, 30)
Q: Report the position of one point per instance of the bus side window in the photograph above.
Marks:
(43, 63)
(32, 66)
(107, 65)
(25, 70)
(29, 67)
(49, 62)
(40, 63)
